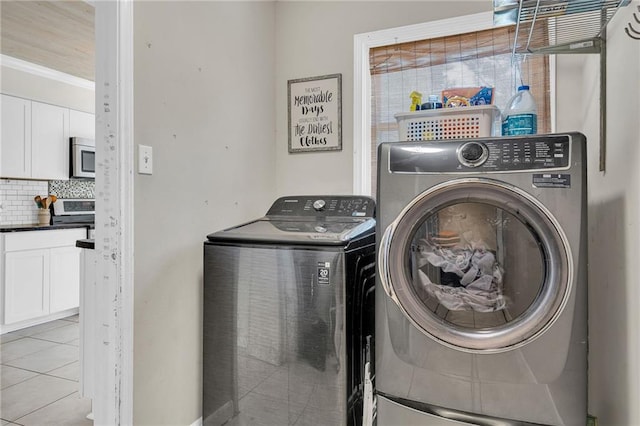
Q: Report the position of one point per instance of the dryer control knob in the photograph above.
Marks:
(473, 154)
(319, 205)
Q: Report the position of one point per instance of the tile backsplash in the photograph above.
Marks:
(16, 200)
(16, 197)
(73, 188)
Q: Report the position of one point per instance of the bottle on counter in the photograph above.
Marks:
(520, 117)
(433, 102)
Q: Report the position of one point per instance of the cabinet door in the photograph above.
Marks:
(15, 142)
(64, 279)
(49, 141)
(82, 124)
(26, 285)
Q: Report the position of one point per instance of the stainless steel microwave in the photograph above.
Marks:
(83, 158)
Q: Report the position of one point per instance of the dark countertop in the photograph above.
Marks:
(36, 227)
(86, 244)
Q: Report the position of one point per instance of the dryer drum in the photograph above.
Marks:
(477, 264)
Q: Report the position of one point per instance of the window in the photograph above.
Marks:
(438, 55)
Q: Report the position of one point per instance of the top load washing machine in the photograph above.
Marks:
(481, 294)
(288, 305)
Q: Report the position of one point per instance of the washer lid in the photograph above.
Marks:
(307, 219)
(312, 232)
(477, 265)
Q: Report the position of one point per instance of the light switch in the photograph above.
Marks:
(145, 160)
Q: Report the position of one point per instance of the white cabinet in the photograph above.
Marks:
(64, 278)
(35, 138)
(41, 275)
(49, 141)
(82, 124)
(26, 285)
(15, 149)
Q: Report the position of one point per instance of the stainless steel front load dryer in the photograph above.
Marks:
(481, 294)
(288, 306)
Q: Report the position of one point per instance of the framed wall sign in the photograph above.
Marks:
(315, 113)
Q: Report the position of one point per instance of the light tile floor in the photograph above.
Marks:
(39, 376)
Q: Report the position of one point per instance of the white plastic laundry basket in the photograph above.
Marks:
(449, 123)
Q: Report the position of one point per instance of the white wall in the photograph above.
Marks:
(207, 77)
(26, 85)
(316, 38)
(204, 84)
(614, 232)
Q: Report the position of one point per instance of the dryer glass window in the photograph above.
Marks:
(476, 265)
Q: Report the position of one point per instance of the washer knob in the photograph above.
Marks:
(319, 205)
(473, 154)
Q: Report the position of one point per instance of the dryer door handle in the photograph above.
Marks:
(383, 262)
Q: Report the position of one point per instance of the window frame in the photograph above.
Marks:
(362, 80)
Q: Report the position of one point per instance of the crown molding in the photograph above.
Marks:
(39, 70)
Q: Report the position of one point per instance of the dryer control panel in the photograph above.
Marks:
(489, 154)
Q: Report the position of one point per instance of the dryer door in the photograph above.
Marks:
(477, 264)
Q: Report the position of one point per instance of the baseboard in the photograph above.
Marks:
(8, 328)
(197, 422)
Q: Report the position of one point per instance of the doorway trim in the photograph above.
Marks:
(113, 403)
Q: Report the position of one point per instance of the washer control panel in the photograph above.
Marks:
(484, 155)
(323, 206)
(319, 205)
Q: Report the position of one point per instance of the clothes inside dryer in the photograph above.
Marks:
(476, 265)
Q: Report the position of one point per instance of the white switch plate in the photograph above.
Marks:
(145, 160)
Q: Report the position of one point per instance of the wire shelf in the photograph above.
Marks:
(551, 26)
(569, 26)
